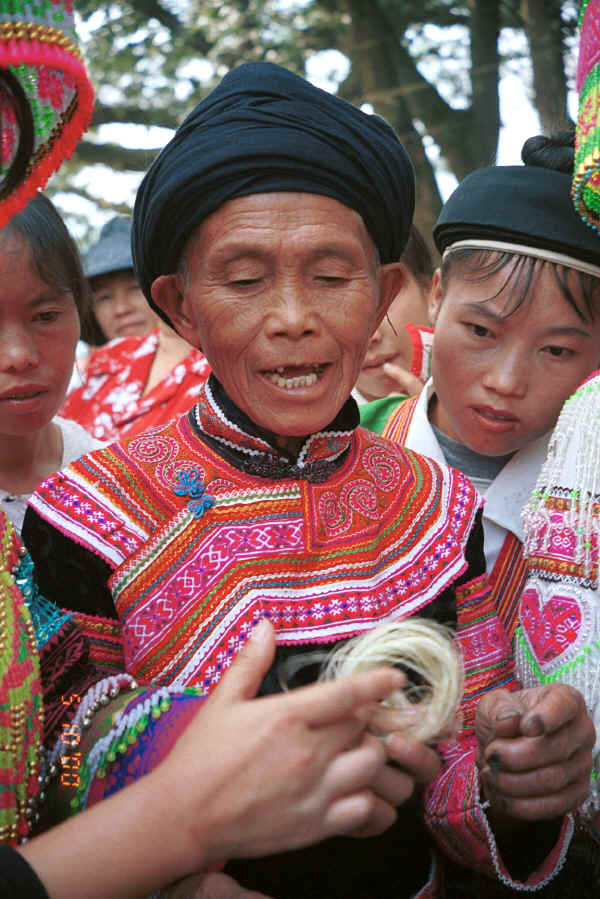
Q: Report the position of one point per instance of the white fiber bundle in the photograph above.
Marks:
(415, 645)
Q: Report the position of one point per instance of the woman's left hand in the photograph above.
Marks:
(535, 752)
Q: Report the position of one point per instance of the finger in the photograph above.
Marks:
(498, 713)
(534, 753)
(394, 785)
(356, 769)
(541, 781)
(362, 815)
(551, 708)
(541, 808)
(249, 668)
(404, 381)
(386, 720)
(325, 703)
(419, 761)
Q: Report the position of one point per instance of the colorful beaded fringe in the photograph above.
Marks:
(38, 47)
(586, 179)
(21, 706)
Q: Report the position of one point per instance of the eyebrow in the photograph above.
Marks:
(233, 251)
(51, 295)
(567, 331)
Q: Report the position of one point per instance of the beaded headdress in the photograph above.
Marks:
(46, 98)
(558, 638)
(586, 180)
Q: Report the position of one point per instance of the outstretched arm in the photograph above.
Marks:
(248, 777)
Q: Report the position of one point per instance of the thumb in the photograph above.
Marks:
(405, 381)
(249, 668)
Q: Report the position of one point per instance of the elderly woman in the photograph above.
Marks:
(267, 233)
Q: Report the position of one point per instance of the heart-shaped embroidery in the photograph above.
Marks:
(551, 621)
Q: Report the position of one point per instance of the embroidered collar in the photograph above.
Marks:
(220, 423)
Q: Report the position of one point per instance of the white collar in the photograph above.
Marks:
(509, 491)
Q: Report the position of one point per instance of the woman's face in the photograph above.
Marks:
(39, 330)
(120, 307)
(501, 380)
(281, 292)
(391, 342)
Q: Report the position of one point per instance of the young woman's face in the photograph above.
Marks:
(39, 330)
(500, 380)
(120, 307)
(391, 342)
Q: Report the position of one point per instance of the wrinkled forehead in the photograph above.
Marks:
(317, 224)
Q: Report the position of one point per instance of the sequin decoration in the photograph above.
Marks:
(586, 177)
(21, 704)
(46, 98)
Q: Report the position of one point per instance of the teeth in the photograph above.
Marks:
(293, 383)
(497, 416)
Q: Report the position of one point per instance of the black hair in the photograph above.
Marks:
(417, 256)
(479, 264)
(554, 152)
(53, 250)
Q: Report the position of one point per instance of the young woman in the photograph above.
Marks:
(398, 353)
(516, 306)
(146, 374)
(43, 301)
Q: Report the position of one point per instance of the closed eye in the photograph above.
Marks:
(331, 279)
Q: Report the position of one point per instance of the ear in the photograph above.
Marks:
(168, 292)
(435, 298)
(392, 278)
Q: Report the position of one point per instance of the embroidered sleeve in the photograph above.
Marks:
(459, 824)
(453, 811)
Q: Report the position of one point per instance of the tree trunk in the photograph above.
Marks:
(485, 73)
(543, 26)
(373, 49)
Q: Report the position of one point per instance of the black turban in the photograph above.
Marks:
(265, 129)
(521, 204)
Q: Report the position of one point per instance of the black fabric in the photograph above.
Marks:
(66, 573)
(273, 465)
(265, 129)
(523, 204)
(578, 878)
(394, 865)
(18, 880)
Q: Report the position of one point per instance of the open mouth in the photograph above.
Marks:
(495, 416)
(21, 396)
(291, 377)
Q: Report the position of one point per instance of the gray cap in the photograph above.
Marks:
(112, 251)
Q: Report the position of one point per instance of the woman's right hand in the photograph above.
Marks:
(256, 776)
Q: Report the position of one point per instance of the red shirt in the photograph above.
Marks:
(109, 403)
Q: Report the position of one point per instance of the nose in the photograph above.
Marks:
(292, 315)
(508, 373)
(376, 337)
(18, 350)
(123, 301)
